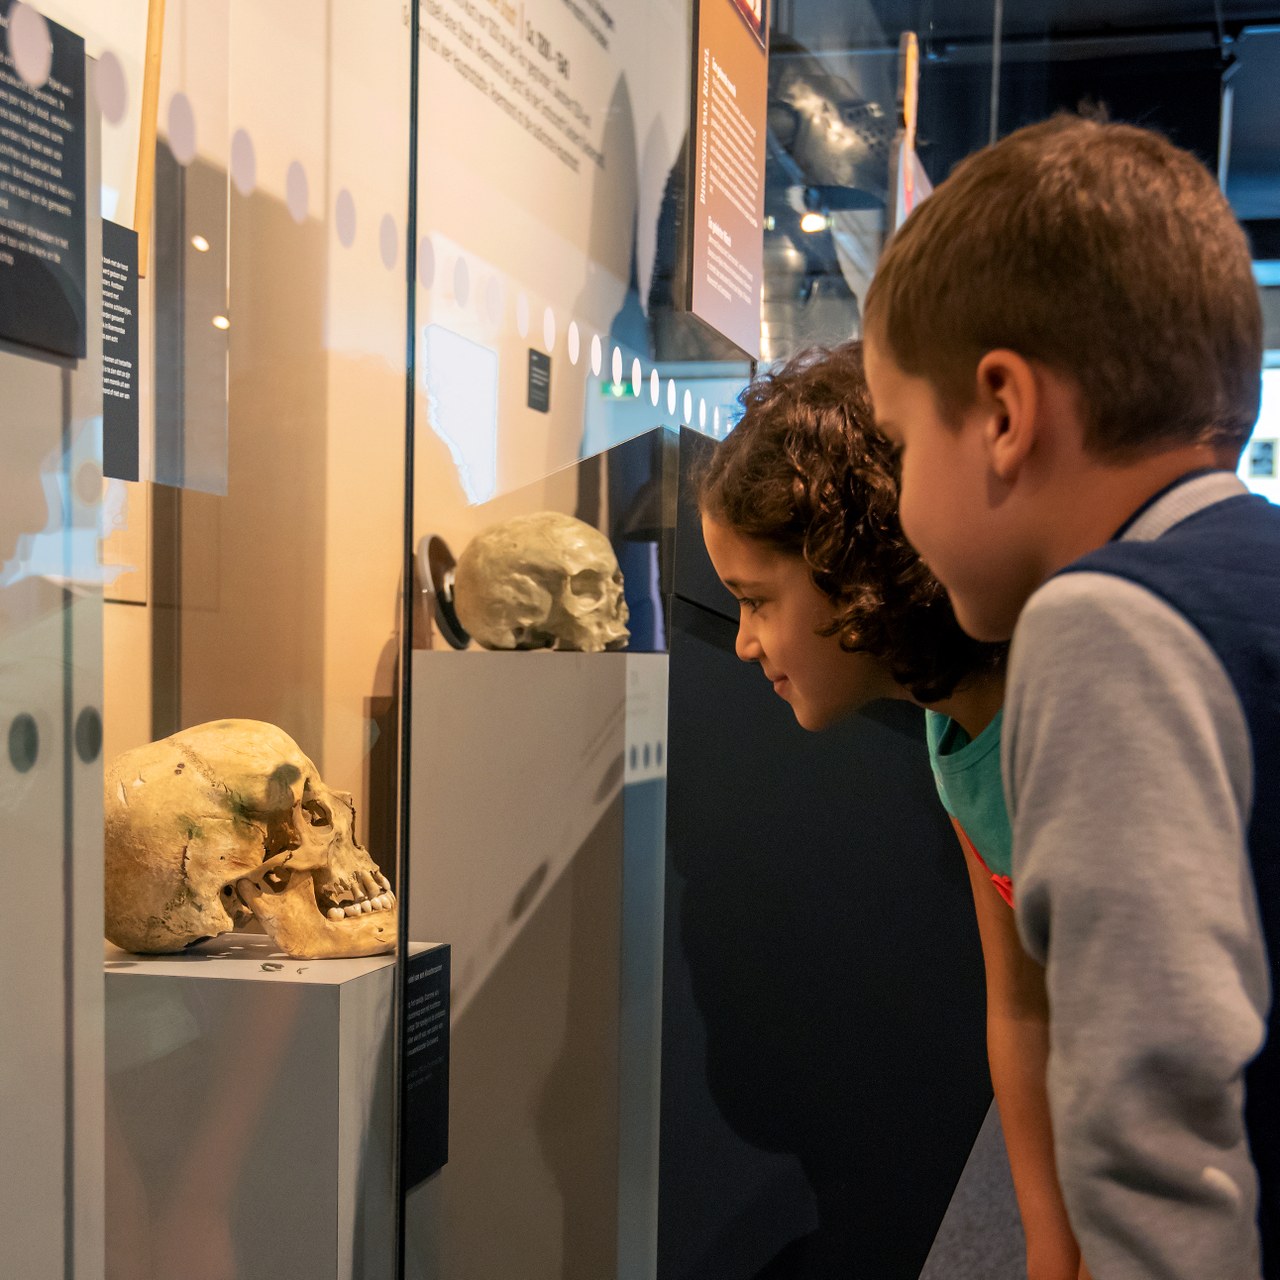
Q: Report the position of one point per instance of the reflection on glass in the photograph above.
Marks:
(272, 537)
(51, 609)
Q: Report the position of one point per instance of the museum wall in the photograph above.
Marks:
(285, 587)
(540, 218)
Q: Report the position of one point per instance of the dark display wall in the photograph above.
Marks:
(824, 1070)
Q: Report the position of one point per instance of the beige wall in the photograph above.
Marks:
(290, 581)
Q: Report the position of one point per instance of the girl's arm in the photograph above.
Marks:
(1018, 1053)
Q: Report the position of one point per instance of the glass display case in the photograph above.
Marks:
(242, 376)
(363, 673)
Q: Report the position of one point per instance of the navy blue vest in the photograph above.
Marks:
(1220, 569)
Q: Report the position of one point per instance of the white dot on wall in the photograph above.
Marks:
(244, 163)
(522, 315)
(637, 376)
(671, 395)
(549, 329)
(426, 262)
(461, 281)
(597, 354)
(296, 193)
(113, 92)
(30, 44)
(495, 299)
(182, 129)
(616, 366)
(388, 241)
(655, 385)
(575, 342)
(344, 217)
(688, 408)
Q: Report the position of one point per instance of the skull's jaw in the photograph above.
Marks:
(293, 920)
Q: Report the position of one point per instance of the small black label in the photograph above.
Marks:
(119, 352)
(424, 1067)
(42, 190)
(539, 380)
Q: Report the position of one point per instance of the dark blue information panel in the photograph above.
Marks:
(119, 352)
(42, 196)
(539, 381)
(424, 1044)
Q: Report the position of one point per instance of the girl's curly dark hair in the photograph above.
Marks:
(806, 472)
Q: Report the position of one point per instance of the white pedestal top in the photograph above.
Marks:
(247, 957)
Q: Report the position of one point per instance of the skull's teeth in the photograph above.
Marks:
(365, 906)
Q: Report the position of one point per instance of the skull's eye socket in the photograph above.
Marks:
(586, 582)
(317, 812)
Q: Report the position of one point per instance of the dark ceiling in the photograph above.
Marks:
(1161, 62)
(833, 72)
(973, 20)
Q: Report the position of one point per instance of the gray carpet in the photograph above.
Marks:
(981, 1235)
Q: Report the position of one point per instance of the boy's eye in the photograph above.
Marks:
(748, 602)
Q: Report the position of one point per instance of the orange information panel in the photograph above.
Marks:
(731, 84)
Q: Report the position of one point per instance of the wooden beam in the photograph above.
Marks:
(144, 199)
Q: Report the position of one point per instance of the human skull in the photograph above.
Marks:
(228, 821)
(544, 581)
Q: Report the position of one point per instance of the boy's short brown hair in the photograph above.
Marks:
(806, 472)
(1103, 251)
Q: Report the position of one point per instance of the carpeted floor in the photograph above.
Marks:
(981, 1235)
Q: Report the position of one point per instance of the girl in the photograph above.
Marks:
(799, 515)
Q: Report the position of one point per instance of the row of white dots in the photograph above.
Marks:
(112, 92)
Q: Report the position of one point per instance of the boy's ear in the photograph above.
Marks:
(1008, 397)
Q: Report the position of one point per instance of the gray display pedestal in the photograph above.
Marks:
(249, 1113)
(538, 819)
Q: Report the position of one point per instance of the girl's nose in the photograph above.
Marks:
(746, 646)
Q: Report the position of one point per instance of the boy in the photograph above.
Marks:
(1065, 342)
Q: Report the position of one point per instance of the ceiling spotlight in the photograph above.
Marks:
(813, 221)
(200, 244)
(221, 322)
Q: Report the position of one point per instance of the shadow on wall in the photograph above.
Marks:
(248, 584)
(821, 944)
(531, 1189)
(250, 577)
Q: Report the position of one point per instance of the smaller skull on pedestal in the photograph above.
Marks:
(542, 581)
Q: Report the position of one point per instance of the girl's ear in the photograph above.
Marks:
(1008, 397)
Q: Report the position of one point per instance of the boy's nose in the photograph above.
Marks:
(746, 646)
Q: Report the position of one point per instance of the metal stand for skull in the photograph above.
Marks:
(436, 567)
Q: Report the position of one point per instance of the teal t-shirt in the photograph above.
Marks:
(967, 775)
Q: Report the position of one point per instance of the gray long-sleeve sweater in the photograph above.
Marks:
(1129, 763)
